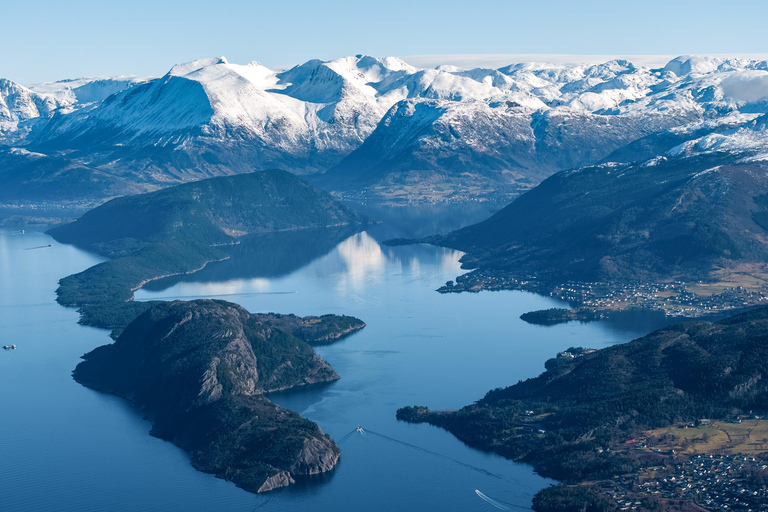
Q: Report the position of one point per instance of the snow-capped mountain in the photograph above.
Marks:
(20, 106)
(383, 127)
(80, 91)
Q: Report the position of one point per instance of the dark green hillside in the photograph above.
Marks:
(212, 211)
(199, 369)
(677, 218)
(179, 230)
(596, 400)
(27, 177)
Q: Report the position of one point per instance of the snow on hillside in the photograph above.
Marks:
(528, 119)
(19, 104)
(357, 91)
(88, 89)
(749, 139)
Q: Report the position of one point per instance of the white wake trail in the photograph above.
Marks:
(491, 501)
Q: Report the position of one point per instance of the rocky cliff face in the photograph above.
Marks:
(199, 370)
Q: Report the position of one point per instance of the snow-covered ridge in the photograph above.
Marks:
(521, 121)
(617, 86)
(87, 89)
(749, 139)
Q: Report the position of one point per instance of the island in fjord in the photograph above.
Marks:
(199, 370)
(593, 414)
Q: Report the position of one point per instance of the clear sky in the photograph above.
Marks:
(52, 39)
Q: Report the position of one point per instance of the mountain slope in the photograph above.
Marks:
(589, 400)
(27, 177)
(216, 210)
(475, 149)
(697, 210)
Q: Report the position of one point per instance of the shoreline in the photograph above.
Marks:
(588, 300)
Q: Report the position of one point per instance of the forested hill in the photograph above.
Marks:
(561, 420)
(199, 370)
(671, 217)
(181, 229)
(211, 211)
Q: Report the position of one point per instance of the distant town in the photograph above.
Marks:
(674, 299)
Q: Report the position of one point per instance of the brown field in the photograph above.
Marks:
(749, 276)
(749, 437)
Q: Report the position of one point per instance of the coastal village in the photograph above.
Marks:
(675, 299)
(713, 482)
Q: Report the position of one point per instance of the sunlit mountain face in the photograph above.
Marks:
(363, 125)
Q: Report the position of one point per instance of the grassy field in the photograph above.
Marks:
(748, 276)
(749, 437)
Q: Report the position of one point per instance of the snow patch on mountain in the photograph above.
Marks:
(749, 139)
(20, 105)
(88, 89)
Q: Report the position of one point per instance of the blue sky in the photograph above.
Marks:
(48, 40)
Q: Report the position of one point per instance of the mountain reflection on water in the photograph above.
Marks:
(342, 260)
(265, 255)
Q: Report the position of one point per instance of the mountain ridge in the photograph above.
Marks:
(686, 214)
(496, 132)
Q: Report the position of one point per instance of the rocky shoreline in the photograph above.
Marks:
(199, 370)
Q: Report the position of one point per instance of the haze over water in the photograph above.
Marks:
(66, 447)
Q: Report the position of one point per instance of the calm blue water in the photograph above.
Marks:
(65, 447)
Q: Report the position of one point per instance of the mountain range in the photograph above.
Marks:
(364, 126)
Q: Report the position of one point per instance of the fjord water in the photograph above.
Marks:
(66, 447)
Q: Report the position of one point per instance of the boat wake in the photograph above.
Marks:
(492, 501)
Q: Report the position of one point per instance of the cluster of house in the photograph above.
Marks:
(728, 482)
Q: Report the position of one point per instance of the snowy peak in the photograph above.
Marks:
(189, 67)
(699, 65)
(19, 104)
(79, 91)
(362, 118)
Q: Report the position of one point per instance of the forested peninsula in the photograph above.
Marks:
(199, 370)
(582, 418)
